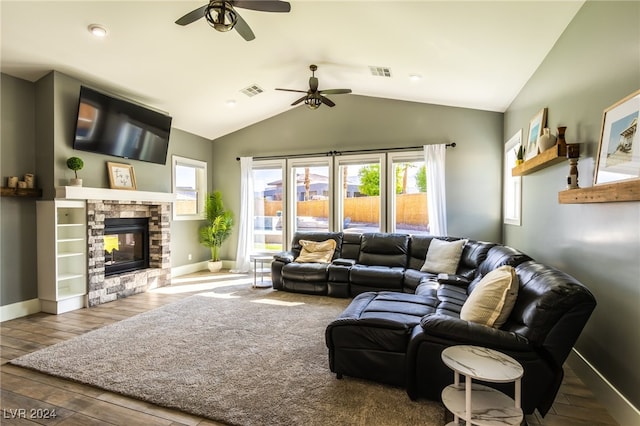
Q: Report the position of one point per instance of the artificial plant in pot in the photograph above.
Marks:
(75, 164)
(217, 229)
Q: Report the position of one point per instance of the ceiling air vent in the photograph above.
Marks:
(252, 90)
(380, 71)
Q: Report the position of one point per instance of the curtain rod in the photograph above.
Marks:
(335, 153)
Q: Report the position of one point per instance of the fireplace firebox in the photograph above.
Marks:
(126, 245)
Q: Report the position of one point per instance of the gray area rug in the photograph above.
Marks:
(244, 357)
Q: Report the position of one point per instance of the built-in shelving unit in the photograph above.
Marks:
(553, 155)
(21, 192)
(607, 193)
(62, 258)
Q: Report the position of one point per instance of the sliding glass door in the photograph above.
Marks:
(269, 206)
(310, 192)
(408, 189)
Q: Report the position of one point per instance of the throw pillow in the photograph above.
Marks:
(443, 256)
(492, 301)
(316, 251)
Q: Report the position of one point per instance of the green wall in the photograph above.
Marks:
(595, 63)
(358, 122)
(18, 278)
(38, 122)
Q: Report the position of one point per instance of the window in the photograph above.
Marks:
(269, 219)
(408, 205)
(512, 184)
(189, 188)
(360, 190)
(349, 193)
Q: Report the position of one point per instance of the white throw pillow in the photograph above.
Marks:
(443, 256)
(316, 252)
(492, 301)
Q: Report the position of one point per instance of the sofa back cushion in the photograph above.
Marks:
(351, 246)
(296, 246)
(473, 253)
(497, 256)
(384, 249)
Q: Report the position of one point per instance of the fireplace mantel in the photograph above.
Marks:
(83, 193)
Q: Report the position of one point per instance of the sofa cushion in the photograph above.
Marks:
(493, 298)
(443, 256)
(316, 251)
(379, 249)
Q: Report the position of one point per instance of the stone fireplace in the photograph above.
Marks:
(104, 288)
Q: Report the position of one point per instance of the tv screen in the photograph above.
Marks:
(112, 126)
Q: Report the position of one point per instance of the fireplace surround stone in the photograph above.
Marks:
(103, 289)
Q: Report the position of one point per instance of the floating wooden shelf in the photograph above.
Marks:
(21, 192)
(553, 155)
(608, 193)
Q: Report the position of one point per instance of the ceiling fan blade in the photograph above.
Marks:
(243, 28)
(299, 100)
(263, 5)
(313, 84)
(192, 16)
(327, 101)
(293, 90)
(335, 91)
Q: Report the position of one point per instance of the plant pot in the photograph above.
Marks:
(75, 182)
(214, 265)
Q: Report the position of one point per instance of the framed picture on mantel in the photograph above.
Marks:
(619, 148)
(121, 176)
(536, 125)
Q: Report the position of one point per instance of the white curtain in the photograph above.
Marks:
(245, 219)
(434, 159)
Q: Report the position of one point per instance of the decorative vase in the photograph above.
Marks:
(214, 265)
(561, 138)
(75, 182)
(547, 140)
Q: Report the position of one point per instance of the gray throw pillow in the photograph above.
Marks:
(443, 256)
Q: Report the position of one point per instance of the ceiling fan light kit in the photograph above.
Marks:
(221, 16)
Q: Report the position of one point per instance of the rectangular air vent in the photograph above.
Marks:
(252, 90)
(380, 71)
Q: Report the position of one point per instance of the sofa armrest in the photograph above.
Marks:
(284, 257)
(458, 331)
(452, 279)
(344, 262)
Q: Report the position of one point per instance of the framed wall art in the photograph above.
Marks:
(619, 148)
(121, 176)
(537, 123)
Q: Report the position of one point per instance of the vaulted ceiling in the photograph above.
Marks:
(473, 54)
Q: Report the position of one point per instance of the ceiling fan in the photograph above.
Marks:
(314, 97)
(222, 16)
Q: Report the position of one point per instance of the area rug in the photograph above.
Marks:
(244, 357)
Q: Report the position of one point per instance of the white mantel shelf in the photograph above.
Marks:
(83, 193)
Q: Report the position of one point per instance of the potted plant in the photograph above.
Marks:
(217, 229)
(75, 164)
(519, 155)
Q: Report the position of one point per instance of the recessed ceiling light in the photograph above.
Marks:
(231, 103)
(98, 30)
(415, 77)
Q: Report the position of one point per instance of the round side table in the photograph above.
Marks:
(475, 403)
(262, 259)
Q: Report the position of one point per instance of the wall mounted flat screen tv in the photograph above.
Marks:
(113, 126)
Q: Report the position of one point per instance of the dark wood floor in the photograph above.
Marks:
(28, 397)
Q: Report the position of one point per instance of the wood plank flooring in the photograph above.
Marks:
(29, 398)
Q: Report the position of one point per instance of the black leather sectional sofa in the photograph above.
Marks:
(401, 319)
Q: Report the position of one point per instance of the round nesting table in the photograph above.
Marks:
(262, 259)
(475, 403)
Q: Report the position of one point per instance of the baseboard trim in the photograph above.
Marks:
(618, 406)
(188, 269)
(19, 309)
